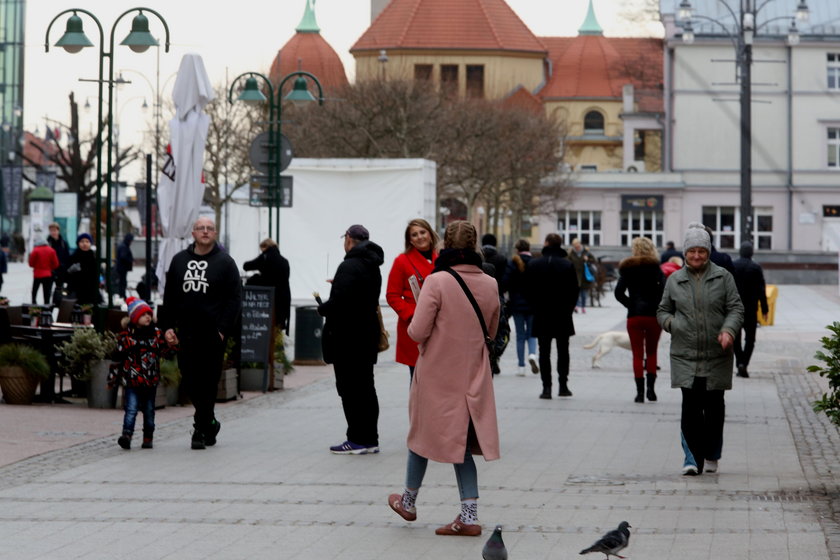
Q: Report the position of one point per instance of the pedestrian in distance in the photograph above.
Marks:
(43, 261)
(350, 339)
(639, 289)
(581, 258)
(124, 264)
(721, 259)
(523, 316)
(417, 262)
(136, 365)
(273, 271)
(749, 278)
(202, 303)
(671, 266)
(669, 253)
(451, 405)
(4, 268)
(62, 251)
(702, 310)
(83, 272)
(552, 286)
(495, 264)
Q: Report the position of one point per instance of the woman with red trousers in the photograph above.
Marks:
(641, 276)
(418, 260)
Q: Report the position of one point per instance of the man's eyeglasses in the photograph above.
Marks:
(204, 228)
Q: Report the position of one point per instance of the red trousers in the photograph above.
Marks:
(644, 338)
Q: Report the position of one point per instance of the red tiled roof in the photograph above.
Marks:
(311, 53)
(597, 66)
(448, 24)
(33, 154)
(523, 99)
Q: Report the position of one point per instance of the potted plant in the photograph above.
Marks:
(21, 368)
(34, 315)
(830, 369)
(170, 377)
(84, 357)
(87, 313)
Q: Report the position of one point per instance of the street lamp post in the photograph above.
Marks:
(74, 40)
(745, 24)
(251, 94)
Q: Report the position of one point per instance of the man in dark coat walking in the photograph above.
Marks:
(125, 263)
(552, 287)
(749, 279)
(351, 339)
(273, 271)
(723, 260)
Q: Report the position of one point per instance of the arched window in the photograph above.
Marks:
(593, 123)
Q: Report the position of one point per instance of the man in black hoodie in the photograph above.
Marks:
(749, 278)
(125, 263)
(351, 339)
(201, 307)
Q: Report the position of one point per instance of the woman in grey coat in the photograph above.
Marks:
(702, 310)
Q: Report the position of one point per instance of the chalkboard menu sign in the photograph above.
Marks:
(257, 323)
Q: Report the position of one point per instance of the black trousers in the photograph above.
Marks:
(701, 423)
(544, 344)
(46, 283)
(743, 355)
(200, 362)
(354, 382)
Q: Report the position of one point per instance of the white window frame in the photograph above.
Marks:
(762, 239)
(832, 146)
(590, 237)
(655, 233)
(833, 71)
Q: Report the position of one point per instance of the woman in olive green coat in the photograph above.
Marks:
(702, 310)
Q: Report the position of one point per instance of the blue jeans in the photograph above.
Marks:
(582, 298)
(139, 399)
(465, 474)
(524, 325)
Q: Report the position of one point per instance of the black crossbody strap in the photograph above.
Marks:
(472, 301)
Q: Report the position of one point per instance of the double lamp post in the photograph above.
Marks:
(745, 25)
(138, 40)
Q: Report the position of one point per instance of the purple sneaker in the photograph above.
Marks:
(350, 448)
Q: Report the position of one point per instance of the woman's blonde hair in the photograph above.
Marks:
(643, 247)
(421, 223)
(266, 243)
(460, 235)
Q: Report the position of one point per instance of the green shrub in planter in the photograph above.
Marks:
(830, 402)
(84, 349)
(25, 357)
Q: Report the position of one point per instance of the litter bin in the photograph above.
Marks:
(772, 292)
(308, 328)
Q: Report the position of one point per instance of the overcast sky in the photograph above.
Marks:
(231, 37)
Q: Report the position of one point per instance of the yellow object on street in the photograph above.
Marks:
(772, 294)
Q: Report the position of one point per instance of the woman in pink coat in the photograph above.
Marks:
(451, 407)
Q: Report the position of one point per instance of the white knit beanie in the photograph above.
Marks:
(696, 236)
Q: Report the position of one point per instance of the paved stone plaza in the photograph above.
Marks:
(570, 469)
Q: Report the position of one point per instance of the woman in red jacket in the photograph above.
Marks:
(43, 260)
(421, 243)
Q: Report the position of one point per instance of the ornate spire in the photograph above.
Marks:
(307, 23)
(590, 24)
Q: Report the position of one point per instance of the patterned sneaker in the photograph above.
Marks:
(459, 528)
(395, 501)
(350, 448)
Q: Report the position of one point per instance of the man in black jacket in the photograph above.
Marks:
(351, 339)
(552, 288)
(749, 278)
(62, 251)
(273, 271)
(201, 307)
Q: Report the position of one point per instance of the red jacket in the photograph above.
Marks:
(43, 261)
(399, 297)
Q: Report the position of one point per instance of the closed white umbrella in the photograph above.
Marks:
(180, 189)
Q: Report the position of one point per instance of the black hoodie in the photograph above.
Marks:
(351, 327)
(203, 293)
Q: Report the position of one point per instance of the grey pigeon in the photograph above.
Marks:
(494, 548)
(612, 543)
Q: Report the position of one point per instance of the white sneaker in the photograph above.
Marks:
(520, 371)
(535, 367)
(710, 466)
(690, 470)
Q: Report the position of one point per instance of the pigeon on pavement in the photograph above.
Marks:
(494, 548)
(612, 543)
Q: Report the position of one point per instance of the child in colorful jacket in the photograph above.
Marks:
(140, 348)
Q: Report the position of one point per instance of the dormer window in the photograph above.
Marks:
(593, 123)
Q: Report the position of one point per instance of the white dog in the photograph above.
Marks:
(607, 341)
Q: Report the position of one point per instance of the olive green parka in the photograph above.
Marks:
(696, 306)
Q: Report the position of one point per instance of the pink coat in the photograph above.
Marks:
(452, 381)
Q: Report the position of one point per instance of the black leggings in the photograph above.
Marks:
(46, 283)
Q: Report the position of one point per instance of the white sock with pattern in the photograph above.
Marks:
(409, 498)
(469, 512)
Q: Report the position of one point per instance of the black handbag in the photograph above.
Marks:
(488, 340)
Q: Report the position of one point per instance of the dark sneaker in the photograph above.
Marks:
(395, 501)
(147, 443)
(212, 432)
(459, 528)
(545, 395)
(197, 440)
(742, 371)
(564, 392)
(124, 441)
(350, 448)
